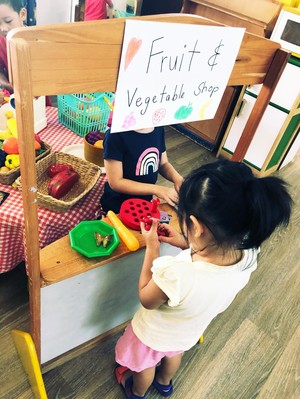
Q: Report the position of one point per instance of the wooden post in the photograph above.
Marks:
(24, 107)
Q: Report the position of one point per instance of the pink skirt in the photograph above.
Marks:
(132, 353)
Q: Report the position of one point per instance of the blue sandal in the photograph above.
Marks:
(164, 390)
(128, 383)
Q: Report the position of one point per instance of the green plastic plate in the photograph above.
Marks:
(82, 238)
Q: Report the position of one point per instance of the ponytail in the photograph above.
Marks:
(270, 206)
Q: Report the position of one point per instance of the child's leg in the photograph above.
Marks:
(168, 368)
(141, 381)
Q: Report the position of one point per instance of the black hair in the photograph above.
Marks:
(16, 5)
(240, 209)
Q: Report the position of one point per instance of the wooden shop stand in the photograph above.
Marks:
(78, 58)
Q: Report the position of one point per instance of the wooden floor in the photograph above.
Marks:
(250, 351)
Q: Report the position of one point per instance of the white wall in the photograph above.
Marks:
(55, 11)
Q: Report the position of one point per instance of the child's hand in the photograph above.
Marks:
(151, 236)
(173, 237)
(168, 194)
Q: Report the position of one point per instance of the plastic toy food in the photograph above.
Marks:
(37, 145)
(12, 161)
(93, 137)
(102, 240)
(37, 138)
(11, 123)
(10, 145)
(126, 235)
(134, 210)
(62, 183)
(5, 134)
(57, 168)
(99, 144)
(161, 231)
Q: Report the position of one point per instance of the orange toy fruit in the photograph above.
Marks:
(99, 144)
(37, 145)
(10, 145)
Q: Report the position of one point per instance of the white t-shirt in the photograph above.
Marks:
(197, 292)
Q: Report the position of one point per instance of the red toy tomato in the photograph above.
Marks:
(10, 145)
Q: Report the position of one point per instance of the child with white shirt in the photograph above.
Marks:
(225, 213)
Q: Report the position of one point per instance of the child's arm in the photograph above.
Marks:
(173, 237)
(167, 170)
(151, 296)
(114, 174)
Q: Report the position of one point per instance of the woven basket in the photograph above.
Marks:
(88, 172)
(9, 177)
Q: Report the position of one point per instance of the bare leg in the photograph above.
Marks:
(141, 381)
(168, 368)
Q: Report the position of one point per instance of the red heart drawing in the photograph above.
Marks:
(132, 48)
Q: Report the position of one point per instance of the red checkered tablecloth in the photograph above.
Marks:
(52, 225)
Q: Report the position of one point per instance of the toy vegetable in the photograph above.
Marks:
(12, 161)
(11, 123)
(10, 145)
(62, 183)
(57, 168)
(5, 134)
(126, 235)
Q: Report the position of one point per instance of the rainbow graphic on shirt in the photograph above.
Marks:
(148, 162)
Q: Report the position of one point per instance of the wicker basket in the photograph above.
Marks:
(88, 172)
(9, 177)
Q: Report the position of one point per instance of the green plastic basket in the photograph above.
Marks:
(84, 113)
(122, 14)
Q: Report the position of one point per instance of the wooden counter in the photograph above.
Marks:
(84, 299)
(59, 261)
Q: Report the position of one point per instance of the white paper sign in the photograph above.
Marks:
(172, 73)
